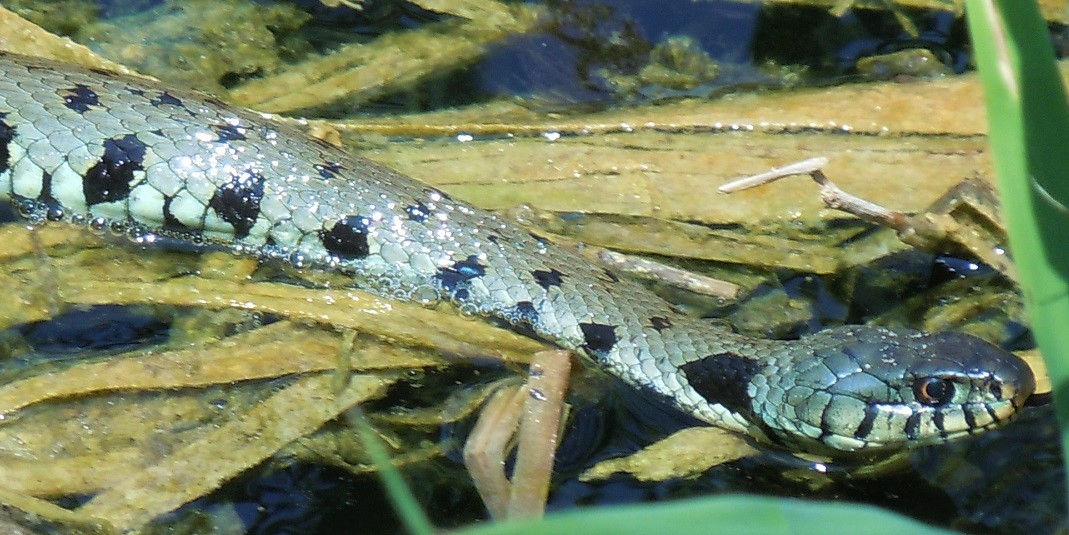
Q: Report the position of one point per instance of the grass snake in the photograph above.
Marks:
(105, 150)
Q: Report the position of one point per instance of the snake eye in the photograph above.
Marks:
(934, 391)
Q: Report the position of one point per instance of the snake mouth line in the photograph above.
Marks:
(1038, 400)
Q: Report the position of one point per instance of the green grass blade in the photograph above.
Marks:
(737, 515)
(1029, 129)
(404, 503)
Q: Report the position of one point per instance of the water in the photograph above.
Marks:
(595, 55)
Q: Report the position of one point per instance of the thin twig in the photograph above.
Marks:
(838, 199)
(799, 168)
(648, 269)
(830, 194)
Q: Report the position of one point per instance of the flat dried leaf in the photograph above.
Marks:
(197, 468)
(88, 275)
(687, 453)
(23, 37)
(355, 74)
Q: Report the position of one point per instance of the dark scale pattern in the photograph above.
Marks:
(970, 420)
(229, 132)
(131, 155)
(168, 99)
(865, 427)
(170, 222)
(418, 212)
(545, 279)
(328, 170)
(347, 238)
(238, 202)
(525, 310)
(913, 425)
(940, 422)
(46, 189)
(598, 338)
(53, 210)
(80, 97)
(456, 277)
(6, 134)
(610, 276)
(659, 323)
(112, 177)
(724, 377)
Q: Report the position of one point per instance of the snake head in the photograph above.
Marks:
(873, 391)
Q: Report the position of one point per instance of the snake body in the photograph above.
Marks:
(102, 149)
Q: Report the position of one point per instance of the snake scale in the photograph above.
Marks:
(109, 151)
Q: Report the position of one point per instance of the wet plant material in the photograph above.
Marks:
(224, 368)
(261, 366)
(221, 394)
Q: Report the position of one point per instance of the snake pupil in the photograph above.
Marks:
(934, 391)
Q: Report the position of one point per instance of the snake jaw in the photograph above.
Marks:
(869, 391)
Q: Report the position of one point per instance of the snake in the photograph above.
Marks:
(116, 153)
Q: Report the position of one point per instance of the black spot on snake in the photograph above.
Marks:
(659, 324)
(167, 98)
(545, 279)
(112, 177)
(7, 132)
(418, 212)
(328, 170)
(347, 238)
(526, 311)
(598, 338)
(238, 201)
(79, 98)
(454, 277)
(724, 377)
(229, 132)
